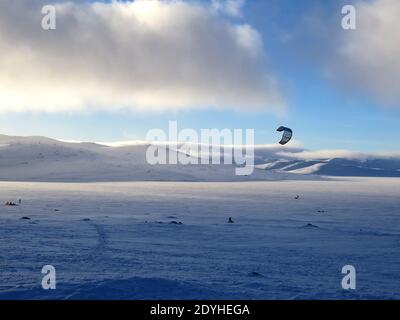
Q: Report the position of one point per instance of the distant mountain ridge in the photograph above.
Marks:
(337, 167)
(50, 160)
(45, 159)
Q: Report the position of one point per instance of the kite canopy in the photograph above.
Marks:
(287, 134)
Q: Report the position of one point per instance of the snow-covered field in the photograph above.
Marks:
(116, 240)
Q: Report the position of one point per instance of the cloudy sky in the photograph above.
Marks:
(112, 70)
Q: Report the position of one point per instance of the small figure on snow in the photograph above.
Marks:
(230, 220)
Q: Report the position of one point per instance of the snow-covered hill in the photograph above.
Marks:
(44, 159)
(372, 167)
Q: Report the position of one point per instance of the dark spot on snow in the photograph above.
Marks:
(310, 225)
(10, 204)
(56, 210)
(171, 217)
(175, 222)
(255, 274)
(86, 219)
(25, 218)
(321, 211)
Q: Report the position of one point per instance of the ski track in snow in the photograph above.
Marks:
(115, 240)
(101, 240)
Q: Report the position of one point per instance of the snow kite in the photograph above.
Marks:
(287, 134)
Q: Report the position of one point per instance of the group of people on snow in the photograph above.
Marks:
(12, 204)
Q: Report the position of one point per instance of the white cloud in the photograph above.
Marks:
(232, 8)
(367, 59)
(331, 154)
(142, 55)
